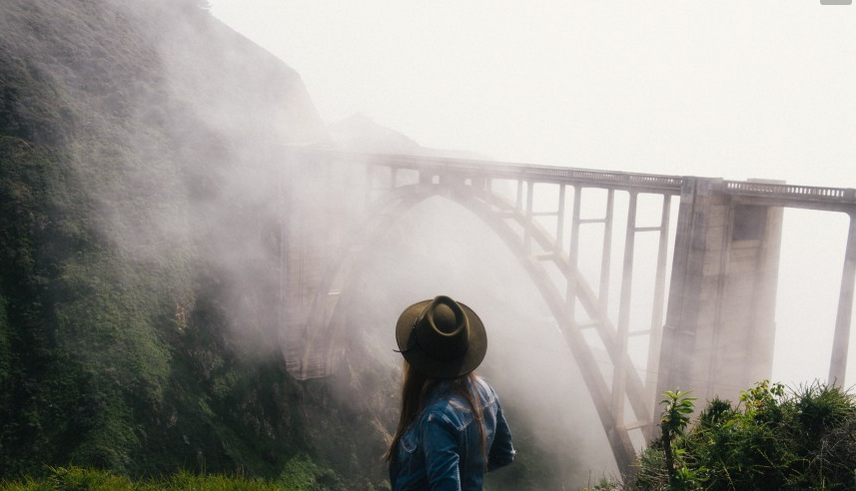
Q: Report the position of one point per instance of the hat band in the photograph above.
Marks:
(447, 354)
(412, 340)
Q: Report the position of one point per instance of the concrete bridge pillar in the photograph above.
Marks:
(320, 200)
(719, 333)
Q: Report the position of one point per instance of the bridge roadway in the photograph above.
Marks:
(394, 183)
(772, 193)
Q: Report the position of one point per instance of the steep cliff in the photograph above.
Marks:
(138, 236)
(140, 242)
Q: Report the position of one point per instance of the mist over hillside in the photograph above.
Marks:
(139, 238)
(136, 306)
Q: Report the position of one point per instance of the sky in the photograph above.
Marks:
(721, 89)
(732, 89)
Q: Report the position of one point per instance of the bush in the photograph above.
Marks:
(772, 440)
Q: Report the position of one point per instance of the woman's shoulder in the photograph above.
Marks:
(446, 399)
(486, 391)
(444, 411)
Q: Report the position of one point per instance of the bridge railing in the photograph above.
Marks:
(828, 198)
(790, 190)
(588, 177)
(843, 199)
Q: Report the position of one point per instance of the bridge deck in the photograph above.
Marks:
(767, 194)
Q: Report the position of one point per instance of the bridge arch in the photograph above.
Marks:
(534, 246)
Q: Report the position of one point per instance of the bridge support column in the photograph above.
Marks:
(841, 340)
(720, 323)
(319, 199)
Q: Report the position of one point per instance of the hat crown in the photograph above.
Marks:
(442, 330)
(444, 319)
(441, 338)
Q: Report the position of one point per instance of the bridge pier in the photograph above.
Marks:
(320, 199)
(720, 323)
(841, 340)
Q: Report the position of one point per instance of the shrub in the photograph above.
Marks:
(774, 439)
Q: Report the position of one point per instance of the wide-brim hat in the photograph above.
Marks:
(441, 338)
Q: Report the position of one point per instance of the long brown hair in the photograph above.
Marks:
(416, 387)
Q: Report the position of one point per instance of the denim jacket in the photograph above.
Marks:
(441, 451)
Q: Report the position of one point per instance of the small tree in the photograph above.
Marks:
(676, 416)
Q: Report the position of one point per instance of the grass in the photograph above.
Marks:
(81, 479)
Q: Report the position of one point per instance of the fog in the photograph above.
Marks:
(728, 90)
(723, 90)
(732, 90)
(528, 359)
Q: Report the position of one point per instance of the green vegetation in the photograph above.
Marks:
(80, 479)
(773, 439)
(136, 300)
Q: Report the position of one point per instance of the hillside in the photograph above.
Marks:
(136, 234)
(140, 242)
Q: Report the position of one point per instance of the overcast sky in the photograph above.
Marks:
(731, 89)
(734, 89)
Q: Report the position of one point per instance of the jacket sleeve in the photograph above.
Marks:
(502, 451)
(441, 454)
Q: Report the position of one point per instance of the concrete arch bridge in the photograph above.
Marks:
(722, 256)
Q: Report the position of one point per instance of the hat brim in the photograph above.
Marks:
(432, 367)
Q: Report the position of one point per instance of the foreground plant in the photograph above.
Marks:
(773, 439)
(676, 416)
